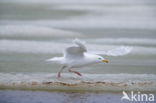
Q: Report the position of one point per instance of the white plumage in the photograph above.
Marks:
(77, 56)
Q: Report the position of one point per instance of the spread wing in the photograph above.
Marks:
(114, 52)
(76, 50)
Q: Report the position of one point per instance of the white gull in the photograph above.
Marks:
(77, 56)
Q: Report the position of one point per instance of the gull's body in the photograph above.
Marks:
(77, 62)
(77, 56)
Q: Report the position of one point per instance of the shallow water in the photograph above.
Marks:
(58, 97)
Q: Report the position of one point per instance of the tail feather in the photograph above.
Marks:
(55, 59)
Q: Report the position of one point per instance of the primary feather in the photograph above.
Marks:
(120, 51)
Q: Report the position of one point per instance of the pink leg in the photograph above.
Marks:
(59, 73)
(75, 72)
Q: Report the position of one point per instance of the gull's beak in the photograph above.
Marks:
(106, 61)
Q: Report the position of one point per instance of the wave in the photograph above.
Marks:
(102, 21)
(94, 21)
(113, 14)
(33, 31)
(80, 2)
(88, 82)
(24, 46)
(126, 41)
(51, 47)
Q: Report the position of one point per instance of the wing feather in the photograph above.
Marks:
(76, 50)
(114, 52)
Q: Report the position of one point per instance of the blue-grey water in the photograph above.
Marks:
(32, 31)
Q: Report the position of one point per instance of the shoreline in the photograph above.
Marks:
(70, 82)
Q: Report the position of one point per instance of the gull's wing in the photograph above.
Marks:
(114, 52)
(76, 50)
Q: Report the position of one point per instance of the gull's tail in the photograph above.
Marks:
(55, 59)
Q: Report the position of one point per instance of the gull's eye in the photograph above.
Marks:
(99, 58)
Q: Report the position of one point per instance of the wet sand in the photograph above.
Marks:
(19, 96)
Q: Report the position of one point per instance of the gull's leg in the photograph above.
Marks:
(78, 73)
(59, 73)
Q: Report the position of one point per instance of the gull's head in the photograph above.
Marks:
(100, 59)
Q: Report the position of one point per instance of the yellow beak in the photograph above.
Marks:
(106, 61)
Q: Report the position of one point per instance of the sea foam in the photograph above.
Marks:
(34, 31)
(126, 41)
(53, 47)
(88, 82)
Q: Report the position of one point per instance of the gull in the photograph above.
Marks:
(77, 56)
